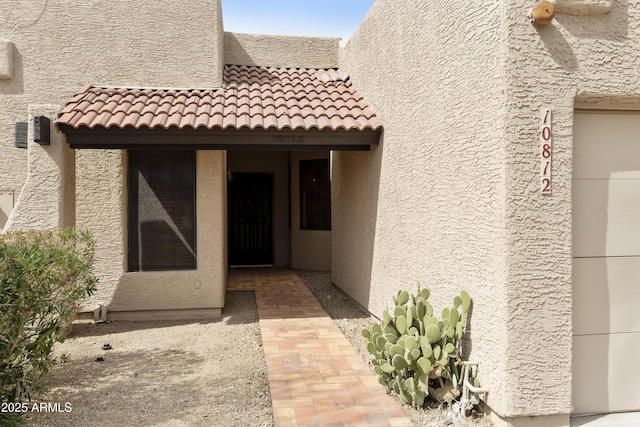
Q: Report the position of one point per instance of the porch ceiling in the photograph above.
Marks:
(258, 108)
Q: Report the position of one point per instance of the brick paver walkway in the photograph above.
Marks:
(316, 377)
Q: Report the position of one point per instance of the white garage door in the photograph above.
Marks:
(606, 262)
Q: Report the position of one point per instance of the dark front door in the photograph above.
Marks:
(250, 219)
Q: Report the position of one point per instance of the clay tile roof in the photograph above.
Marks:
(252, 98)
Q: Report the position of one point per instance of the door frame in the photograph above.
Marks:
(271, 178)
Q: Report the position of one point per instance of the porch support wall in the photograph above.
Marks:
(101, 194)
(47, 199)
(187, 294)
(427, 205)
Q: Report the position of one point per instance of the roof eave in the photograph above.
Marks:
(220, 139)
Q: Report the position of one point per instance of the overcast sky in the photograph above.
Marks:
(324, 18)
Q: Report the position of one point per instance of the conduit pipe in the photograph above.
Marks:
(467, 387)
(96, 313)
(100, 313)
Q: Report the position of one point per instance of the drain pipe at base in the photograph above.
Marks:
(466, 404)
(100, 313)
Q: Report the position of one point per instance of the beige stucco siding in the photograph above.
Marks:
(280, 51)
(575, 60)
(56, 50)
(101, 197)
(199, 289)
(58, 47)
(48, 197)
(428, 204)
(456, 202)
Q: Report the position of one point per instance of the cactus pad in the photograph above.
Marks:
(411, 347)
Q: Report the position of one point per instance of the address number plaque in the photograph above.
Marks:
(546, 144)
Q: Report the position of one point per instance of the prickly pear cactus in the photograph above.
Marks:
(411, 347)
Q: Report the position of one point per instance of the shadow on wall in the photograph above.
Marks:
(354, 200)
(240, 54)
(559, 48)
(3, 220)
(613, 26)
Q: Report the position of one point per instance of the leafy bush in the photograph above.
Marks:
(43, 277)
(414, 352)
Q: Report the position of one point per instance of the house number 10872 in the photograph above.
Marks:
(545, 151)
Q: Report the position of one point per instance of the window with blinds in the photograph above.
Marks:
(162, 206)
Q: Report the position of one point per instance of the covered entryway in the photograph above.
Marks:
(300, 235)
(606, 262)
(261, 114)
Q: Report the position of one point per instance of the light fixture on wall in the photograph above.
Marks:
(542, 12)
(41, 132)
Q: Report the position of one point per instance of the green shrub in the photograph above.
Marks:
(415, 352)
(44, 275)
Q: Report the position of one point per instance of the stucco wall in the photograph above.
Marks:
(58, 47)
(456, 203)
(428, 204)
(101, 200)
(576, 60)
(200, 292)
(310, 249)
(281, 51)
(47, 199)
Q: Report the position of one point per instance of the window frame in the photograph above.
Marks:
(319, 168)
(155, 162)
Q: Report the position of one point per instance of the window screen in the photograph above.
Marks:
(162, 227)
(315, 195)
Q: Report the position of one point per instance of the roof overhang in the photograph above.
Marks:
(258, 108)
(219, 139)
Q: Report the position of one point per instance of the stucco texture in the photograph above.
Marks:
(451, 198)
(58, 47)
(101, 195)
(101, 191)
(574, 61)
(47, 199)
(202, 288)
(280, 51)
(427, 205)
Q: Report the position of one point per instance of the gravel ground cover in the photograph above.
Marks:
(351, 320)
(188, 373)
(163, 373)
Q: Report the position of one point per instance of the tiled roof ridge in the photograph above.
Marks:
(149, 88)
(253, 97)
(290, 67)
